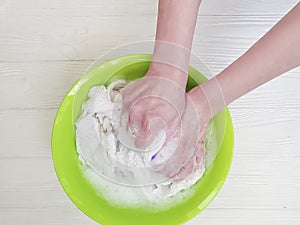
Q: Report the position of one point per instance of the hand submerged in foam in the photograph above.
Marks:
(155, 103)
(152, 103)
(190, 149)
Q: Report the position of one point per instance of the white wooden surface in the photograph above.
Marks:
(46, 45)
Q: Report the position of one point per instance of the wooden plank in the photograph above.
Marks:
(253, 183)
(247, 217)
(45, 216)
(119, 7)
(255, 127)
(44, 84)
(43, 32)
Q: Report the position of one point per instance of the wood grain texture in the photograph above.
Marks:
(45, 46)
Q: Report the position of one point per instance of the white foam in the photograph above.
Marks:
(110, 166)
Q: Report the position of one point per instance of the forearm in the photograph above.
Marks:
(174, 35)
(275, 53)
(176, 21)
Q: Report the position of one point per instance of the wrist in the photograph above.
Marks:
(200, 102)
(169, 72)
(209, 97)
(171, 61)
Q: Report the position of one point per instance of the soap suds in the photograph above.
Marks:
(118, 171)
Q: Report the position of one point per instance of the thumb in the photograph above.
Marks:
(138, 126)
(143, 137)
(149, 130)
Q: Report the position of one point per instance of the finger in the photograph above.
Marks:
(201, 150)
(176, 165)
(142, 138)
(135, 119)
(191, 166)
(151, 125)
(182, 173)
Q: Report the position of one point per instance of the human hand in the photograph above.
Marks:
(154, 102)
(190, 149)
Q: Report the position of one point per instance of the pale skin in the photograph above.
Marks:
(176, 23)
(180, 32)
(277, 52)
